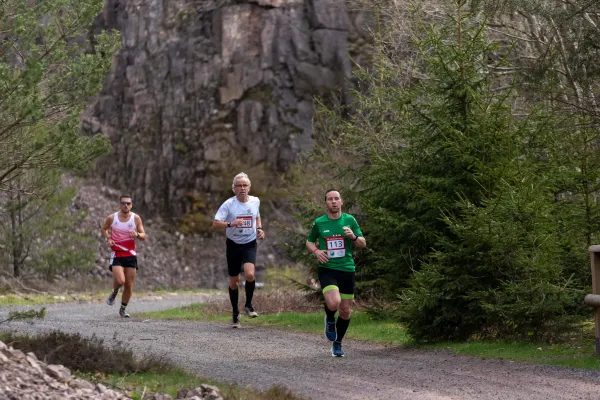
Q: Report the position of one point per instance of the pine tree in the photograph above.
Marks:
(458, 187)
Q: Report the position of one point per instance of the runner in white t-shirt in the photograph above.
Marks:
(125, 227)
(240, 217)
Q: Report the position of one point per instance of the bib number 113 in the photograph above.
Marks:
(336, 246)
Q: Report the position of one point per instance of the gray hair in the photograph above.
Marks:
(238, 176)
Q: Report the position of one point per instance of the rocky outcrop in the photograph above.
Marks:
(24, 377)
(204, 89)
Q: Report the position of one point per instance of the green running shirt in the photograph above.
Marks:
(331, 237)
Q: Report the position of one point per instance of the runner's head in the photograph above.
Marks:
(333, 201)
(241, 184)
(125, 203)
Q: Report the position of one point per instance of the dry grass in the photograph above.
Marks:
(85, 354)
(270, 302)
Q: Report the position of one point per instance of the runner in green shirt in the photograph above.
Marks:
(332, 239)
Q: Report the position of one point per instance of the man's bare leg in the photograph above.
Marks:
(118, 281)
(127, 290)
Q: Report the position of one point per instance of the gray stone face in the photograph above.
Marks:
(29, 378)
(201, 89)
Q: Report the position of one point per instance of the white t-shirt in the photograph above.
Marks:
(232, 209)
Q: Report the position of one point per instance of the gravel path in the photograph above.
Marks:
(263, 357)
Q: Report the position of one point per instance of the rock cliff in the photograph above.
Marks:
(204, 89)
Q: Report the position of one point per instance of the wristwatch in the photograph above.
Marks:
(229, 224)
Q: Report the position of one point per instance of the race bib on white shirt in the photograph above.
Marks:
(247, 227)
(336, 246)
(233, 209)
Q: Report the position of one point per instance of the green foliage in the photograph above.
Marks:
(48, 71)
(470, 202)
(490, 266)
(43, 235)
(25, 315)
(499, 275)
(47, 74)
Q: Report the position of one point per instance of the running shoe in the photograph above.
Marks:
(336, 350)
(235, 321)
(330, 332)
(111, 298)
(124, 314)
(250, 311)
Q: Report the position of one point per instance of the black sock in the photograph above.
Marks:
(233, 296)
(341, 327)
(116, 290)
(330, 314)
(250, 292)
(123, 305)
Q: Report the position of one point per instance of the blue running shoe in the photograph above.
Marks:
(124, 314)
(111, 298)
(330, 332)
(336, 350)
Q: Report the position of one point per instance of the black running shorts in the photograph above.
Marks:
(125, 262)
(238, 255)
(343, 281)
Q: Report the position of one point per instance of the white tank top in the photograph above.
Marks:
(119, 233)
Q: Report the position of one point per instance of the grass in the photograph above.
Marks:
(363, 326)
(577, 352)
(173, 381)
(84, 354)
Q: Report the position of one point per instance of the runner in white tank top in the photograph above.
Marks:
(125, 227)
(120, 234)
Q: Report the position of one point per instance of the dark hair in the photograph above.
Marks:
(125, 196)
(332, 190)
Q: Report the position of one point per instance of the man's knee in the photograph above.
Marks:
(345, 312)
(345, 309)
(249, 272)
(119, 281)
(333, 303)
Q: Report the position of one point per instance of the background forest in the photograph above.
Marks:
(469, 154)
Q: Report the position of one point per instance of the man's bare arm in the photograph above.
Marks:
(223, 224)
(141, 234)
(360, 243)
(259, 230)
(321, 255)
(106, 225)
(219, 224)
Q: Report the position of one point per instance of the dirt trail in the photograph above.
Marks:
(263, 357)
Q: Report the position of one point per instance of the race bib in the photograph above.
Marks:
(246, 228)
(336, 246)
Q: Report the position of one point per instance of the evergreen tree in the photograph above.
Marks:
(48, 72)
(459, 188)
